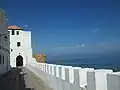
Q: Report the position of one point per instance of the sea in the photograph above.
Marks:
(97, 63)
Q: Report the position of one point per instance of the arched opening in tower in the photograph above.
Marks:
(19, 61)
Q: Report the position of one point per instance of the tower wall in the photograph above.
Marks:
(25, 50)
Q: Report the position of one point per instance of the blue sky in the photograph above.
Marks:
(68, 26)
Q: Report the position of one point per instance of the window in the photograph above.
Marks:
(11, 50)
(8, 32)
(18, 44)
(13, 32)
(17, 32)
(3, 59)
(0, 59)
(5, 38)
(7, 62)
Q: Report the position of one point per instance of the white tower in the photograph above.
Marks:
(20, 46)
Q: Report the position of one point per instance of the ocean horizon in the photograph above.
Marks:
(97, 63)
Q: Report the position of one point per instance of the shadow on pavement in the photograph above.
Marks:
(14, 80)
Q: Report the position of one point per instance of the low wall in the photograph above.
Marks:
(61, 77)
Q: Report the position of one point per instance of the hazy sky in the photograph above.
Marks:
(64, 26)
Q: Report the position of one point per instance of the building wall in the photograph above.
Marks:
(4, 44)
(24, 50)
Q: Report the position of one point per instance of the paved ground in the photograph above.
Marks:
(21, 79)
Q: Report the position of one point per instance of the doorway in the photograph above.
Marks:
(19, 61)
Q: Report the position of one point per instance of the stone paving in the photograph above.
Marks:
(21, 79)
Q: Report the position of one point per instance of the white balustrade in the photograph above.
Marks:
(113, 81)
(101, 78)
(91, 85)
(83, 76)
(61, 77)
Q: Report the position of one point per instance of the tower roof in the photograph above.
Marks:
(14, 27)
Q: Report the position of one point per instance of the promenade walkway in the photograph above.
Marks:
(21, 79)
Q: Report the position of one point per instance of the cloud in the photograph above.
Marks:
(68, 47)
(94, 48)
(82, 45)
(96, 30)
(26, 26)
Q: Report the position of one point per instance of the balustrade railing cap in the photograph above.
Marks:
(52, 64)
(59, 65)
(87, 69)
(103, 70)
(116, 73)
(67, 66)
(76, 67)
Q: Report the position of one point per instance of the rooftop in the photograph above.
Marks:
(14, 27)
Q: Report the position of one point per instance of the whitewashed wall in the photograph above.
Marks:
(61, 77)
(4, 44)
(24, 50)
(113, 81)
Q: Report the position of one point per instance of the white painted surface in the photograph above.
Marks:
(63, 73)
(57, 71)
(4, 44)
(101, 79)
(52, 69)
(94, 79)
(113, 81)
(71, 75)
(49, 69)
(77, 75)
(91, 84)
(24, 50)
(46, 68)
(83, 76)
